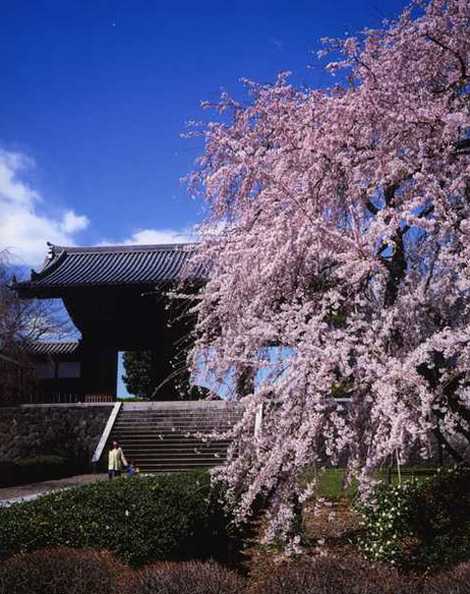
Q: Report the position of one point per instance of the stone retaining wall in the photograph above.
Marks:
(71, 430)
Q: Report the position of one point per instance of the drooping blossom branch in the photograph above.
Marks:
(343, 241)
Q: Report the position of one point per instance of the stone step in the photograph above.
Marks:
(170, 424)
(188, 456)
(161, 451)
(156, 437)
(169, 437)
(148, 465)
(165, 438)
(140, 459)
(152, 441)
(159, 429)
(177, 467)
(183, 421)
(208, 460)
(128, 448)
(194, 434)
(162, 456)
(173, 422)
(180, 423)
(182, 412)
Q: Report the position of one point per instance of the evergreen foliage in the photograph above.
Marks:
(168, 517)
(138, 373)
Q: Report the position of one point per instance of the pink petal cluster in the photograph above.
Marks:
(339, 232)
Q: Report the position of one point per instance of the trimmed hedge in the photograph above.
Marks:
(349, 575)
(191, 577)
(35, 469)
(334, 575)
(60, 571)
(454, 581)
(71, 571)
(141, 519)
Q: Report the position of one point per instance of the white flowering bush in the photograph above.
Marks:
(387, 518)
(422, 523)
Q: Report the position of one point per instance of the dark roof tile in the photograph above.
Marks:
(148, 265)
(52, 348)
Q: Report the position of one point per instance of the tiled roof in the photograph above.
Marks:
(52, 348)
(148, 265)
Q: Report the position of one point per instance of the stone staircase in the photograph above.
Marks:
(160, 436)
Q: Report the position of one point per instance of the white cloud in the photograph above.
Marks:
(156, 236)
(149, 236)
(12, 190)
(72, 223)
(24, 230)
(25, 226)
(163, 236)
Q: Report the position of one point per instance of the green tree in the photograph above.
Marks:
(138, 373)
(140, 381)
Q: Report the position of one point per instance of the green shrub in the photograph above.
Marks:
(60, 571)
(441, 521)
(333, 575)
(141, 519)
(191, 577)
(37, 468)
(423, 523)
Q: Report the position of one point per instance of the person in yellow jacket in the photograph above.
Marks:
(116, 460)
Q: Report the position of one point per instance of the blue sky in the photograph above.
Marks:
(95, 94)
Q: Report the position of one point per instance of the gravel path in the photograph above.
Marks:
(9, 495)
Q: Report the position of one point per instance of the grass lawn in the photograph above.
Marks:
(331, 481)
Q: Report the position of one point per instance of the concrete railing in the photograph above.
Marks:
(106, 433)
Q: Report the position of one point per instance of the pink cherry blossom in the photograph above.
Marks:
(339, 229)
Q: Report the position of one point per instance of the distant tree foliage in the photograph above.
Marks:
(140, 382)
(23, 321)
(138, 373)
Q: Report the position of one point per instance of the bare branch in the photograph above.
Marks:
(463, 69)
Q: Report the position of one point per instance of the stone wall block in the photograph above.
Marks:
(69, 431)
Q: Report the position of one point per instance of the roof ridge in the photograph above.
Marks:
(148, 265)
(51, 347)
(53, 342)
(133, 247)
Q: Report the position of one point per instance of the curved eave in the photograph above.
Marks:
(53, 349)
(145, 268)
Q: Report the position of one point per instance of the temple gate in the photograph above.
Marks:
(117, 298)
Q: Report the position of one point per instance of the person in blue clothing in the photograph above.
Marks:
(132, 469)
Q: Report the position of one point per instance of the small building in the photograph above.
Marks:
(16, 378)
(57, 371)
(42, 372)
